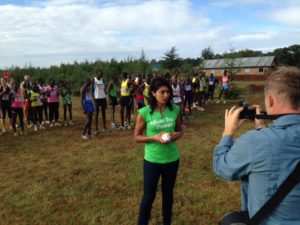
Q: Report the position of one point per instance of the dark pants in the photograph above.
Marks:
(53, 111)
(211, 91)
(152, 172)
(69, 107)
(37, 114)
(17, 112)
(45, 109)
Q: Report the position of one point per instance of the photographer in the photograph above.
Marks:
(263, 158)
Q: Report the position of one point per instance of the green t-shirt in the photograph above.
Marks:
(156, 123)
(113, 90)
(67, 99)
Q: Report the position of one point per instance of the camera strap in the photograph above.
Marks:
(272, 117)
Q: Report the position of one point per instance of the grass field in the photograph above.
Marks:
(56, 178)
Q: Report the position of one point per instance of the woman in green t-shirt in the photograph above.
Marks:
(161, 122)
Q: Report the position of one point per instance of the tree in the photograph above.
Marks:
(207, 53)
(171, 60)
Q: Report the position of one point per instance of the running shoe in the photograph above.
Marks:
(96, 133)
(71, 122)
(105, 130)
(57, 124)
(42, 127)
(121, 128)
(85, 136)
(35, 128)
(15, 134)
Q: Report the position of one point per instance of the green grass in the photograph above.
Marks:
(57, 178)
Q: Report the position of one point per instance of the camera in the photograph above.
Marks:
(246, 113)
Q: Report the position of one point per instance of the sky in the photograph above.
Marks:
(51, 32)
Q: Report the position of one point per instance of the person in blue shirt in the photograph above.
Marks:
(263, 158)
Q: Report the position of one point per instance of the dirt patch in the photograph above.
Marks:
(252, 88)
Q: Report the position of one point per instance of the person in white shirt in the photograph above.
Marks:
(99, 96)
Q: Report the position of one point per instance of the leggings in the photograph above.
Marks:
(37, 114)
(45, 109)
(17, 112)
(53, 111)
(69, 107)
(225, 93)
(128, 111)
(152, 172)
(88, 123)
(5, 107)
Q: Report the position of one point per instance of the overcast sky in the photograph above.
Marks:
(50, 32)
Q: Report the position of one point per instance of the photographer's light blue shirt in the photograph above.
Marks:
(262, 160)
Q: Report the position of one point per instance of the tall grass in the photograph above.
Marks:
(54, 177)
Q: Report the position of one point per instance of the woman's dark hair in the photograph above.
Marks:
(156, 84)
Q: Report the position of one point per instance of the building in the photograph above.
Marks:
(256, 66)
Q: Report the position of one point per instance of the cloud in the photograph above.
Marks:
(90, 27)
(253, 36)
(288, 16)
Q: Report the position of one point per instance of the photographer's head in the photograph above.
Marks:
(282, 91)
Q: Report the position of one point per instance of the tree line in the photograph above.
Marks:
(171, 61)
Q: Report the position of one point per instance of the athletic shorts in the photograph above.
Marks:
(100, 102)
(113, 100)
(125, 100)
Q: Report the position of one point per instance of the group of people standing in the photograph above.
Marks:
(187, 93)
(35, 102)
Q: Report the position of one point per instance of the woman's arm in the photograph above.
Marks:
(139, 130)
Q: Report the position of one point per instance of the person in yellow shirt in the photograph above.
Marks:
(125, 102)
(36, 106)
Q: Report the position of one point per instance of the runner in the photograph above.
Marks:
(5, 103)
(212, 83)
(188, 97)
(125, 102)
(100, 101)
(87, 103)
(224, 87)
(53, 102)
(36, 107)
(113, 101)
(66, 94)
(17, 100)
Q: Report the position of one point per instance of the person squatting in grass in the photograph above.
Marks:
(87, 103)
(263, 158)
(161, 159)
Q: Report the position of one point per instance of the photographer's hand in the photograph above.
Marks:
(232, 122)
(258, 123)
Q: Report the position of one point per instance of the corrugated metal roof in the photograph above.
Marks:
(262, 61)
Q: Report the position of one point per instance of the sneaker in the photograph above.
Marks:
(105, 130)
(218, 101)
(183, 117)
(29, 126)
(65, 123)
(224, 102)
(51, 124)
(125, 124)
(191, 117)
(201, 109)
(35, 128)
(121, 128)
(96, 133)
(71, 122)
(85, 136)
(47, 121)
(129, 127)
(15, 134)
(57, 124)
(114, 125)
(42, 127)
